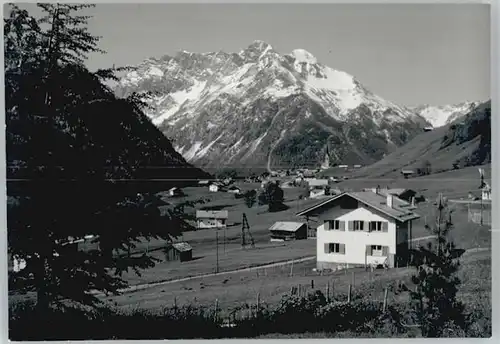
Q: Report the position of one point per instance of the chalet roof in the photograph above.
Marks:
(317, 182)
(212, 214)
(286, 226)
(394, 191)
(182, 246)
(399, 211)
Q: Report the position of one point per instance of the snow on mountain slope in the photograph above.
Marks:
(439, 116)
(259, 107)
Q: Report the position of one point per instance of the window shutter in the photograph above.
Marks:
(342, 248)
(385, 226)
(368, 250)
(350, 225)
(327, 248)
(385, 250)
(326, 225)
(342, 225)
(366, 227)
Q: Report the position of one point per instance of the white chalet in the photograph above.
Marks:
(213, 187)
(361, 229)
(211, 218)
(486, 192)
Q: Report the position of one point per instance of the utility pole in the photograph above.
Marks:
(217, 250)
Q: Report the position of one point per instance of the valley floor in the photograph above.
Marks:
(270, 283)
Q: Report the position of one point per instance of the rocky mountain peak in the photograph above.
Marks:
(303, 56)
(260, 107)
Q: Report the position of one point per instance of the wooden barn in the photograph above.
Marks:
(286, 231)
(179, 251)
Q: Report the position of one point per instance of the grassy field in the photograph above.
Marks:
(272, 283)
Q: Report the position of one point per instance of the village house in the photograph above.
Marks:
(175, 192)
(486, 192)
(407, 195)
(317, 193)
(211, 218)
(361, 229)
(407, 173)
(287, 230)
(316, 183)
(214, 187)
(317, 187)
(234, 189)
(479, 209)
(203, 182)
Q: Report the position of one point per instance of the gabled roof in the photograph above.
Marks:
(317, 182)
(399, 211)
(212, 214)
(286, 226)
(182, 246)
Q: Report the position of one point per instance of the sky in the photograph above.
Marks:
(408, 54)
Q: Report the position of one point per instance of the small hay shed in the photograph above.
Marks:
(287, 230)
(179, 251)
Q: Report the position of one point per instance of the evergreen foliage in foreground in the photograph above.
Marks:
(78, 163)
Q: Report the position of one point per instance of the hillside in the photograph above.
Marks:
(464, 142)
(107, 141)
(261, 108)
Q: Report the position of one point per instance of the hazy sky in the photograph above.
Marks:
(409, 54)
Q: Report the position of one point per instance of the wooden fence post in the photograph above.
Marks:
(312, 284)
(328, 291)
(291, 270)
(353, 279)
(333, 291)
(258, 305)
(216, 309)
(384, 306)
(349, 293)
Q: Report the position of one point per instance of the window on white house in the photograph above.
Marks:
(358, 225)
(377, 250)
(336, 248)
(375, 226)
(334, 225)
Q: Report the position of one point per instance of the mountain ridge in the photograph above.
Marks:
(466, 141)
(261, 108)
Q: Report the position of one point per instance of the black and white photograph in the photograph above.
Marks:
(248, 170)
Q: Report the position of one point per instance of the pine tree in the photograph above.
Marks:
(434, 299)
(73, 150)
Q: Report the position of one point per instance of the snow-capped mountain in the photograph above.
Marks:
(261, 108)
(439, 116)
